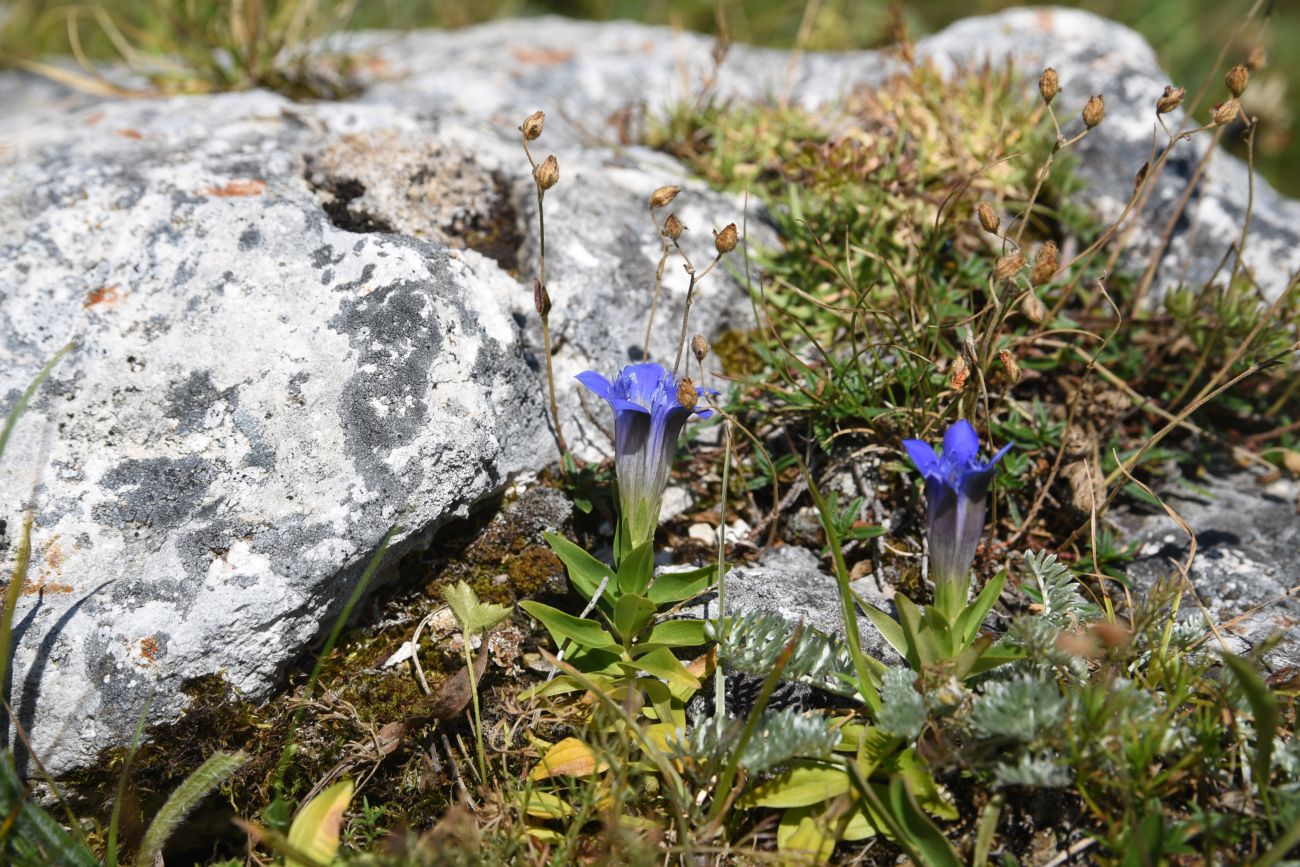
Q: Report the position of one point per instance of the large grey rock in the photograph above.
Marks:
(298, 324)
(1247, 563)
(286, 343)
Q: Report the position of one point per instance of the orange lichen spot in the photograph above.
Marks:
(541, 56)
(239, 187)
(54, 555)
(95, 118)
(149, 649)
(103, 295)
(131, 133)
(32, 588)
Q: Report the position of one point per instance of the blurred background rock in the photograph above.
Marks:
(1187, 34)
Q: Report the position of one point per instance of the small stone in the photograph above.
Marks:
(702, 532)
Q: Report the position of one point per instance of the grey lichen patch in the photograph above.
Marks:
(396, 336)
(191, 401)
(383, 181)
(158, 493)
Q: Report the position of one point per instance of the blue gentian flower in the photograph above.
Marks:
(648, 418)
(956, 488)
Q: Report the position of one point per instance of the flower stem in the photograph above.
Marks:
(546, 319)
(478, 721)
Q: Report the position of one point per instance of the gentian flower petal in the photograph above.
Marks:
(923, 457)
(598, 384)
(960, 444)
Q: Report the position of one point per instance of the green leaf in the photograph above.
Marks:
(972, 617)
(632, 612)
(585, 571)
(662, 663)
(921, 784)
(803, 830)
(993, 657)
(919, 833)
(562, 627)
(677, 633)
(672, 587)
(887, 626)
(920, 645)
(1263, 704)
(315, 830)
(803, 785)
(636, 569)
(474, 616)
(661, 700)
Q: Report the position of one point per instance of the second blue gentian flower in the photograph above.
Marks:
(956, 489)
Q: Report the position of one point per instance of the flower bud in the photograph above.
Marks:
(1237, 79)
(686, 395)
(663, 196)
(1010, 365)
(725, 241)
(1226, 112)
(1094, 112)
(988, 219)
(532, 126)
(1170, 99)
(1049, 85)
(959, 373)
(1045, 264)
(547, 173)
(541, 298)
(700, 347)
(673, 227)
(1008, 267)
(1034, 308)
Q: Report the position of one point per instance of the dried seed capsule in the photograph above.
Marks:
(1049, 85)
(1045, 264)
(725, 241)
(1010, 365)
(686, 395)
(988, 219)
(532, 125)
(1094, 112)
(1008, 266)
(1170, 99)
(1034, 308)
(547, 173)
(700, 347)
(541, 298)
(959, 373)
(1237, 79)
(1226, 112)
(663, 196)
(673, 227)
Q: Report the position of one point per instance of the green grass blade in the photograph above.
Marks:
(183, 799)
(21, 406)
